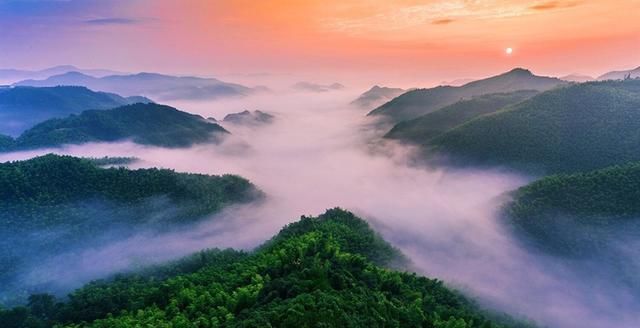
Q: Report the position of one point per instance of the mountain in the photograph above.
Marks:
(249, 118)
(590, 218)
(423, 101)
(326, 271)
(426, 127)
(457, 82)
(314, 87)
(575, 128)
(146, 124)
(377, 96)
(621, 75)
(157, 86)
(23, 107)
(53, 204)
(13, 75)
(577, 78)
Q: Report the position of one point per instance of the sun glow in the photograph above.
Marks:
(508, 51)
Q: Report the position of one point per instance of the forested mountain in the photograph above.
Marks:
(621, 75)
(53, 204)
(246, 117)
(23, 107)
(158, 86)
(377, 96)
(576, 128)
(423, 101)
(326, 271)
(592, 218)
(146, 124)
(424, 128)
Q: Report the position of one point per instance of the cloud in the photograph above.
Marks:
(112, 21)
(550, 5)
(443, 21)
(319, 155)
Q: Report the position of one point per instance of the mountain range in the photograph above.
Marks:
(619, 75)
(157, 86)
(14, 75)
(418, 102)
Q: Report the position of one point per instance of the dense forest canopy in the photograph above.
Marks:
(426, 127)
(61, 202)
(576, 128)
(147, 124)
(23, 107)
(327, 271)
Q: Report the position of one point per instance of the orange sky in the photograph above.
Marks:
(407, 41)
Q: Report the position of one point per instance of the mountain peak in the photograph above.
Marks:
(519, 71)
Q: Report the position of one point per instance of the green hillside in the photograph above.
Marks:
(326, 271)
(63, 202)
(576, 128)
(426, 127)
(23, 107)
(419, 102)
(147, 124)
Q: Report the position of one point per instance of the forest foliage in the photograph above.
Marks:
(327, 271)
(61, 203)
(577, 128)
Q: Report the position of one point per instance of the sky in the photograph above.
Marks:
(406, 42)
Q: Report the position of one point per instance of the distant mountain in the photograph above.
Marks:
(314, 87)
(423, 101)
(157, 86)
(249, 118)
(23, 107)
(620, 75)
(575, 128)
(146, 124)
(426, 127)
(577, 78)
(377, 96)
(52, 204)
(14, 75)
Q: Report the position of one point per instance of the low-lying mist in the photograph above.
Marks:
(320, 153)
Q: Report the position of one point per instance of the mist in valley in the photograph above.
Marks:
(321, 153)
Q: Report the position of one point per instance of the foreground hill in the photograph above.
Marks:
(23, 107)
(158, 86)
(53, 204)
(325, 271)
(423, 101)
(377, 96)
(576, 128)
(146, 124)
(424, 128)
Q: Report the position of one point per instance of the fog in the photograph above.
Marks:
(320, 153)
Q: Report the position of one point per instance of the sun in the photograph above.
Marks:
(508, 51)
